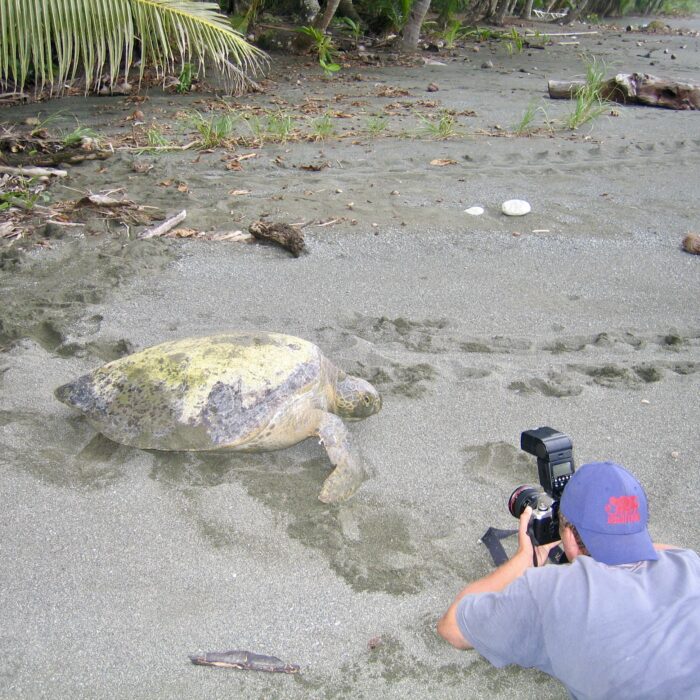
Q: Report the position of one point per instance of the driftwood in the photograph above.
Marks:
(163, 228)
(46, 152)
(243, 660)
(31, 171)
(635, 88)
(285, 235)
(691, 243)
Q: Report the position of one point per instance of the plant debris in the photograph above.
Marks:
(289, 237)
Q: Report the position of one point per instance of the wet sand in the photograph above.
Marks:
(118, 563)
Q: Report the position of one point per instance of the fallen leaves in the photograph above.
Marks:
(389, 91)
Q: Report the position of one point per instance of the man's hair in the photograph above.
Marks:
(565, 523)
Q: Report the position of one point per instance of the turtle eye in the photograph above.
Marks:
(366, 400)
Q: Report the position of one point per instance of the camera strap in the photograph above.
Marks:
(492, 540)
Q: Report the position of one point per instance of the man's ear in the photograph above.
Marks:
(569, 543)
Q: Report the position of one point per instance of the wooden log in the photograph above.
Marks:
(46, 152)
(163, 228)
(243, 660)
(285, 235)
(635, 88)
(30, 171)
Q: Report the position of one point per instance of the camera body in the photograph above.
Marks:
(555, 466)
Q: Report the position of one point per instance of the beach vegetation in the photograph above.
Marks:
(394, 13)
(78, 136)
(156, 139)
(274, 127)
(447, 9)
(322, 127)
(322, 44)
(589, 103)
(377, 125)
(442, 127)
(215, 130)
(514, 41)
(184, 80)
(280, 126)
(526, 124)
(452, 32)
(353, 27)
(47, 43)
(21, 192)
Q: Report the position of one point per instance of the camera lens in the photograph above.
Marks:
(521, 498)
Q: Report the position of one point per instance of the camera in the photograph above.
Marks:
(555, 465)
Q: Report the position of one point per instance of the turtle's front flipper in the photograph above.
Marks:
(348, 474)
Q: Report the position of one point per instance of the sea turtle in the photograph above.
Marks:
(247, 391)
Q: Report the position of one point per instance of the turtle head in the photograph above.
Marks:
(355, 398)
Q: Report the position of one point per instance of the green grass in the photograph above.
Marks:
(21, 192)
(589, 102)
(526, 125)
(322, 128)
(156, 139)
(280, 127)
(377, 125)
(444, 127)
(215, 130)
(76, 136)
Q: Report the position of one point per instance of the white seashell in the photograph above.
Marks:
(515, 207)
(474, 211)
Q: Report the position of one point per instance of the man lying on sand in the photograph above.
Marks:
(622, 620)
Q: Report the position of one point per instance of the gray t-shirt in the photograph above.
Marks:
(619, 632)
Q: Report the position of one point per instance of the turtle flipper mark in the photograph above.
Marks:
(348, 474)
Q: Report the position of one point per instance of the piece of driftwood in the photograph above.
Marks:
(16, 150)
(691, 243)
(285, 235)
(635, 88)
(163, 228)
(31, 171)
(243, 660)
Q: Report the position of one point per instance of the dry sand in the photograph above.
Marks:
(117, 563)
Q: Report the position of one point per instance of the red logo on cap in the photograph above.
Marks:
(622, 509)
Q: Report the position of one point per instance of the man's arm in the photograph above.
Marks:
(494, 582)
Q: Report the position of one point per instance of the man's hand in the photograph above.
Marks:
(525, 546)
(496, 581)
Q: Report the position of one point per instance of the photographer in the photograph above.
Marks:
(621, 620)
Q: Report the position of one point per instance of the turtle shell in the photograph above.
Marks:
(224, 391)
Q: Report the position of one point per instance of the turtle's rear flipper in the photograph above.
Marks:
(348, 474)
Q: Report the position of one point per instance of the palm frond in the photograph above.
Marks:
(50, 41)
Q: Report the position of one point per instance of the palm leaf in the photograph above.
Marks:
(56, 39)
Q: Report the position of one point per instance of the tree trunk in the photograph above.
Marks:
(500, 12)
(322, 21)
(347, 9)
(477, 11)
(527, 10)
(576, 12)
(309, 9)
(411, 31)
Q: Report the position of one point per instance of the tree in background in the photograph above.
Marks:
(48, 42)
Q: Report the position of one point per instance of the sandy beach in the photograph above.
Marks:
(582, 315)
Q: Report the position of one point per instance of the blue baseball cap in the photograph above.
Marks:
(608, 507)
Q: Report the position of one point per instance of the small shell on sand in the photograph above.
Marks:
(515, 207)
(474, 211)
(691, 243)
